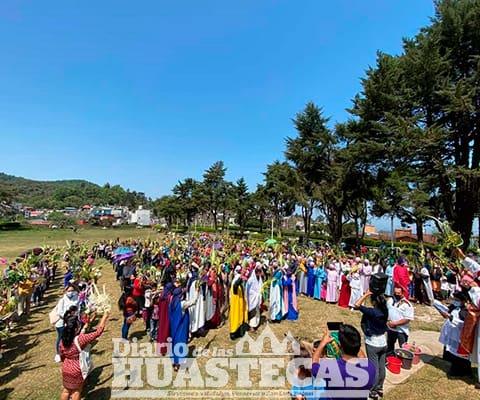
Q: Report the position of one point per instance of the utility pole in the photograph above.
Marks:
(392, 237)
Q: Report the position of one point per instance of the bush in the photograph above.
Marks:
(351, 241)
(11, 226)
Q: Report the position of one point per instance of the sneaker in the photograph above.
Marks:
(57, 358)
(373, 396)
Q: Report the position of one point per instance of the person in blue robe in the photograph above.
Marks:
(179, 326)
(310, 279)
(320, 277)
(290, 295)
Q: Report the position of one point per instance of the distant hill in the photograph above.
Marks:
(65, 193)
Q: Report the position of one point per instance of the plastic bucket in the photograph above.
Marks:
(416, 354)
(406, 357)
(394, 364)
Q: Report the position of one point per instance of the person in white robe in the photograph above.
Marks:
(254, 296)
(427, 283)
(355, 287)
(196, 297)
(365, 274)
(474, 293)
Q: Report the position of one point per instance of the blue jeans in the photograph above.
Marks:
(125, 328)
(59, 338)
(153, 328)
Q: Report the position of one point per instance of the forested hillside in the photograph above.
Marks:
(64, 193)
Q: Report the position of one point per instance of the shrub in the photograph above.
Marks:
(11, 226)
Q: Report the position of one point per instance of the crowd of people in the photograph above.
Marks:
(23, 285)
(199, 283)
(188, 284)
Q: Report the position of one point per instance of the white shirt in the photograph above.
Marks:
(376, 340)
(471, 265)
(62, 307)
(401, 310)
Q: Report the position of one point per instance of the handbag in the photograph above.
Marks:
(84, 358)
(53, 315)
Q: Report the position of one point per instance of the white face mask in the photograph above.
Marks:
(72, 295)
(456, 303)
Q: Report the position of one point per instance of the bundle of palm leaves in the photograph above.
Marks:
(449, 239)
(101, 302)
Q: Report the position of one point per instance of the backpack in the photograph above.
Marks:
(84, 358)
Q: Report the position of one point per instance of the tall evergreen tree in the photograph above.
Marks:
(310, 153)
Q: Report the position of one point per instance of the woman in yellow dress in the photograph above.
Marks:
(238, 306)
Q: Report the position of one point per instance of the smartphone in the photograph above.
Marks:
(333, 326)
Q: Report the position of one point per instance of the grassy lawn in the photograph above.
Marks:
(27, 370)
(15, 242)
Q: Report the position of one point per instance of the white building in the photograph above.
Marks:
(141, 217)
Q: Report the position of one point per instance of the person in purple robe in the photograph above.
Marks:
(310, 279)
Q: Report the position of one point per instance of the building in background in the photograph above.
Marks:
(141, 217)
(407, 236)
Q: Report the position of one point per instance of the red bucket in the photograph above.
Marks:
(394, 364)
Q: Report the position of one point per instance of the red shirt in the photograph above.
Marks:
(130, 306)
(138, 290)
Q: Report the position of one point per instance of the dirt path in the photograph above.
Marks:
(28, 370)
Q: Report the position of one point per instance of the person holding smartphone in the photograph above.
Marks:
(342, 375)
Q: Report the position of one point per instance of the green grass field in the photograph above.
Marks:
(28, 371)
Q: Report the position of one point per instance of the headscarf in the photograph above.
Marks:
(177, 295)
(167, 290)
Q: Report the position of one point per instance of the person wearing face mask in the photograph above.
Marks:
(450, 336)
(470, 337)
(400, 313)
(69, 299)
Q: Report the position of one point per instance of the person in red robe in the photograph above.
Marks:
(218, 298)
(163, 330)
(401, 276)
(344, 297)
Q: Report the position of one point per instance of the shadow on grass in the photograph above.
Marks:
(5, 392)
(442, 365)
(16, 370)
(23, 338)
(93, 381)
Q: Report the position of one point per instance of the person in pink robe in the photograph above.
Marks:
(332, 285)
(365, 274)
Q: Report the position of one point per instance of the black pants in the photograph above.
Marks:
(392, 337)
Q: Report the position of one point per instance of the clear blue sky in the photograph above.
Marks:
(144, 93)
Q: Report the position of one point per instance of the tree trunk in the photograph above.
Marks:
(419, 224)
(357, 231)
(339, 226)
(307, 219)
(464, 211)
(279, 225)
(335, 223)
(364, 220)
(214, 215)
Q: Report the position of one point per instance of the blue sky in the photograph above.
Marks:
(144, 93)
